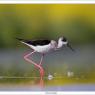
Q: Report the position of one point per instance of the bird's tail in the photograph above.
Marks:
(20, 39)
(26, 42)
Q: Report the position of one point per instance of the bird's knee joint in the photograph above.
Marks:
(25, 57)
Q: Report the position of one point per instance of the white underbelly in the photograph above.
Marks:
(43, 49)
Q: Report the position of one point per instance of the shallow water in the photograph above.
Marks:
(70, 71)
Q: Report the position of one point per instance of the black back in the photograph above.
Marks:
(35, 42)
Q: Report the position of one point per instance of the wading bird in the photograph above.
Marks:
(43, 47)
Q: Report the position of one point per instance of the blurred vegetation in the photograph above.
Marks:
(76, 22)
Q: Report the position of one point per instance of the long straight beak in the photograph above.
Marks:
(68, 45)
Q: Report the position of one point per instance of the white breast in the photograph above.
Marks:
(42, 49)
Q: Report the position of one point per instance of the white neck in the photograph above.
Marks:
(60, 43)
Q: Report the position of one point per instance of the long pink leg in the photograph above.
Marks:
(30, 61)
(37, 65)
(41, 60)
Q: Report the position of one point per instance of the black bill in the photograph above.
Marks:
(68, 45)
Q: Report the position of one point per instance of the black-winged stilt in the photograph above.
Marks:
(43, 47)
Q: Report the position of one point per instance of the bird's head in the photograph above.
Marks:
(64, 42)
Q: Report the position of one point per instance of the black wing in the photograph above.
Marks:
(35, 42)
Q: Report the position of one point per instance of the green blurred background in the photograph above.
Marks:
(76, 22)
(48, 21)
